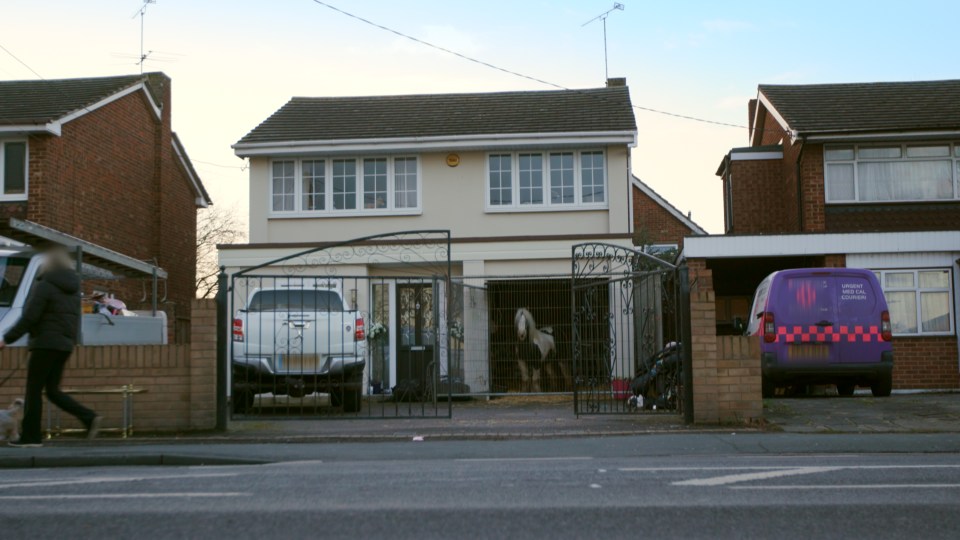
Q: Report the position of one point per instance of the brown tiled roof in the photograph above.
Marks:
(867, 107)
(555, 111)
(42, 101)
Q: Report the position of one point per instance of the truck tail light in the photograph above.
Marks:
(886, 330)
(769, 328)
(238, 330)
(359, 334)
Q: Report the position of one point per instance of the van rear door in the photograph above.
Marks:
(806, 317)
(859, 325)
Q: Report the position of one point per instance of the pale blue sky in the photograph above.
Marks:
(235, 62)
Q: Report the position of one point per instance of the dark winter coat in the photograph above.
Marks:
(52, 313)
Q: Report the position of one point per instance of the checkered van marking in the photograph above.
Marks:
(828, 334)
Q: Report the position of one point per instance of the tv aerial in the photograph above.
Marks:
(142, 12)
(617, 6)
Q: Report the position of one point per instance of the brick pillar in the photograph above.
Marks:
(703, 323)
(726, 369)
(203, 364)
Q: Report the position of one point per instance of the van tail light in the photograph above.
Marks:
(359, 334)
(769, 328)
(238, 330)
(886, 330)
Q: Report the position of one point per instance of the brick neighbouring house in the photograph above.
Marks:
(859, 175)
(656, 222)
(96, 159)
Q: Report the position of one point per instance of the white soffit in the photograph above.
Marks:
(721, 247)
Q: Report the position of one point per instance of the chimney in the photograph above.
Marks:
(616, 81)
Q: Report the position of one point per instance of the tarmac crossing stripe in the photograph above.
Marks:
(110, 479)
(854, 486)
(747, 477)
(122, 496)
(667, 469)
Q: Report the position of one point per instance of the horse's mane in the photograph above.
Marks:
(523, 312)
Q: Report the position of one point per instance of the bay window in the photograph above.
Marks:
(344, 186)
(554, 180)
(892, 172)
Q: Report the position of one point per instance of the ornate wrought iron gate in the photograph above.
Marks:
(354, 329)
(628, 326)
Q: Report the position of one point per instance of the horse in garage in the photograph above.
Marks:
(533, 347)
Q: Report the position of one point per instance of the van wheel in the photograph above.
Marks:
(846, 389)
(883, 386)
(767, 389)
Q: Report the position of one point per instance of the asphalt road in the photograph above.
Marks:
(589, 489)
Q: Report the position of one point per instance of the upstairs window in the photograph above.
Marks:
(13, 170)
(561, 180)
(344, 186)
(892, 172)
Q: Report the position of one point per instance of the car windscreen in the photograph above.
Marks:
(12, 270)
(296, 300)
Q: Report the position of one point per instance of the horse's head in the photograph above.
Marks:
(521, 321)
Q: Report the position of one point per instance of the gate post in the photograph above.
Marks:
(223, 319)
(686, 338)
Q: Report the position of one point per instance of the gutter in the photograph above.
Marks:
(451, 142)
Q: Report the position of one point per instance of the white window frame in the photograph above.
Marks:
(329, 211)
(917, 290)
(546, 205)
(953, 156)
(26, 171)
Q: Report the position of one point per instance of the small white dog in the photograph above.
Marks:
(10, 421)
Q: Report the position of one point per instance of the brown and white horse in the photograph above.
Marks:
(535, 345)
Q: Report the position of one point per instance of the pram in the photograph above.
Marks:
(655, 385)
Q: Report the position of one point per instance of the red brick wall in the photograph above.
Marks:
(925, 362)
(758, 200)
(112, 178)
(814, 196)
(892, 217)
(657, 224)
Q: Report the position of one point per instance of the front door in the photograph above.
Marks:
(415, 339)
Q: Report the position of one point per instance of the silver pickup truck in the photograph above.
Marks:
(295, 342)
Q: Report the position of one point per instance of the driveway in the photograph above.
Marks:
(899, 413)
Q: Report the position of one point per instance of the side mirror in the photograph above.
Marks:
(738, 325)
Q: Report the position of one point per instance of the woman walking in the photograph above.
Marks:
(52, 319)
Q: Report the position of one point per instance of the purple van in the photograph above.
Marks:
(823, 326)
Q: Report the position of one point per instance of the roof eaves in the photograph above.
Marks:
(203, 198)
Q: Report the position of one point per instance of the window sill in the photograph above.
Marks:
(553, 208)
(931, 335)
(885, 203)
(344, 213)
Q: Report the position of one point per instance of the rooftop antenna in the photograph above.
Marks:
(141, 12)
(603, 18)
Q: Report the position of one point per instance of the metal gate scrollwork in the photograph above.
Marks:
(627, 322)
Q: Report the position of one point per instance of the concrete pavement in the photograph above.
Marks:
(901, 423)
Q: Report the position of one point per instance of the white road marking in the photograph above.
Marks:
(110, 479)
(582, 458)
(854, 486)
(123, 496)
(595, 486)
(297, 463)
(668, 469)
(747, 477)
